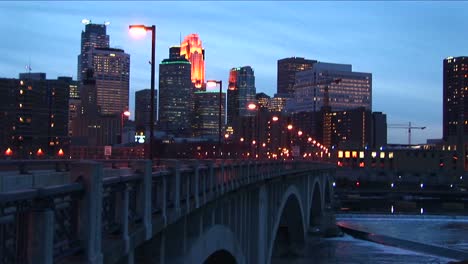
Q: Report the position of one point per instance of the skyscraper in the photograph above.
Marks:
(287, 69)
(206, 113)
(175, 96)
(191, 48)
(316, 88)
(94, 36)
(241, 92)
(112, 74)
(111, 69)
(143, 107)
(455, 104)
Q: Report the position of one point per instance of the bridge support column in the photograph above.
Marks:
(177, 187)
(40, 248)
(122, 204)
(144, 194)
(262, 225)
(196, 168)
(211, 179)
(90, 173)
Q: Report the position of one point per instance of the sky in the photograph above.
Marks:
(401, 43)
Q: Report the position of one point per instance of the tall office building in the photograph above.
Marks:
(143, 108)
(287, 69)
(206, 114)
(34, 115)
(455, 104)
(94, 36)
(111, 68)
(175, 96)
(241, 92)
(333, 86)
(74, 102)
(112, 73)
(191, 48)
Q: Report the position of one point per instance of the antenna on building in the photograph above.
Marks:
(28, 67)
(180, 38)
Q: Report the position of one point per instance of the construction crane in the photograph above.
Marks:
(408, 126)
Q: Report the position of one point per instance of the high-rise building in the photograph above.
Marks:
(74, 102)
(175, 96)
(110, 66)
(287, 69)
(94, 36)
(241, 92)
(206, 113)
(191, 48)
(143, 108)
(333, 86)
(263, 100)
(34, 115)
(350, 128)
(379, 130)
(455, 104)
(112, 73)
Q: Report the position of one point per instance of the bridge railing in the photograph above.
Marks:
(110, 200)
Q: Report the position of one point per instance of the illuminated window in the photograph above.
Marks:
(390, 155)
(340, 154)
(354, 154)
(382, 155)
(374, 154)
(361, 154)
(347, 154)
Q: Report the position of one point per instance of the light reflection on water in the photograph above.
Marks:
(347, 249)
(446, 232)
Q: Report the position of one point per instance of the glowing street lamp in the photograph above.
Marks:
(139, 31)
(8, 152)
(275, 118)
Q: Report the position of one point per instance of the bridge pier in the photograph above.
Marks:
(90, 211)
(40, 236)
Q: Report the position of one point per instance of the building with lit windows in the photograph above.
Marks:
(34, 115)
(74, 102)
(191, 48)
(206, 114)
(263, 100)
(94, 36)
(241, 92)
(175, 96)
(455, 104)
(331, 85)
(287, 69)
(277, 103)
(112, 73)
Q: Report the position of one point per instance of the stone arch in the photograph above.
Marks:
(289, 226)
(316, 208)
(217, 242)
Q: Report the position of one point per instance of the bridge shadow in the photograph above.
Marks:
(221, 256)
(289, 237)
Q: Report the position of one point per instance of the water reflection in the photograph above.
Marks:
(347, 249)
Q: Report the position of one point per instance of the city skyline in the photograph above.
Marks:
(402, 44)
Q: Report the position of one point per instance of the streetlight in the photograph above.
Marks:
(124, 114)
(254, 107)
(140, 31)
(212, 83)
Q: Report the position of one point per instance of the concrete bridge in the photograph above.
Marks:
(191, 211)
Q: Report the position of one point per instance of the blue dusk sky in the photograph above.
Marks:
(401, 43)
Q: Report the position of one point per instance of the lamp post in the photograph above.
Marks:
(254, 107)
(124, 114)
(139, 31)
(213, 83)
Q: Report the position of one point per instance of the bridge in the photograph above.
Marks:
(178, 211)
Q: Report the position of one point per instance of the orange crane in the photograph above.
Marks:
(408, 126)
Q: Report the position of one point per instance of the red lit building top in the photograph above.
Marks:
(193, 51)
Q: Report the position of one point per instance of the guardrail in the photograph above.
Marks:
(114, 199)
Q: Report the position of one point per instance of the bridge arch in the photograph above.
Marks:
(289, 226)
(216, 245)
(316, 208)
